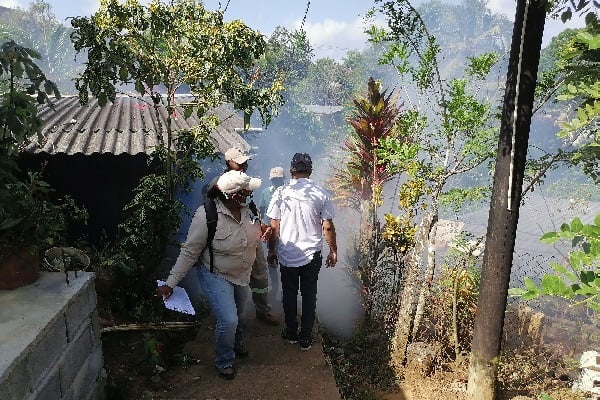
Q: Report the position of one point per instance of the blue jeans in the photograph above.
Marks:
(228, 303)
(304, 278)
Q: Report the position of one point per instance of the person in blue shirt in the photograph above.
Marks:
(276, 177)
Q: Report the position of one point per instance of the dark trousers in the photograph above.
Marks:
(303, 278)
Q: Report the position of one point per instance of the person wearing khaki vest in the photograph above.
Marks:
(236, 246)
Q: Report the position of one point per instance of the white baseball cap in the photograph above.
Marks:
(276, 172)
(233, 181)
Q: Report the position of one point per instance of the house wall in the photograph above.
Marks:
(101, 183)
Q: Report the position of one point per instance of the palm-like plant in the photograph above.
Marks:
(358, 184)
(362, 176)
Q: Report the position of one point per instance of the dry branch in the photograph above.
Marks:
(160, 326)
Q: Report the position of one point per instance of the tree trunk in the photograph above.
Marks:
(506, 196)
(366, 267)
(427, 279)
(410, 289)
(455, 283)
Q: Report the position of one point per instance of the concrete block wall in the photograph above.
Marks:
(50, 345)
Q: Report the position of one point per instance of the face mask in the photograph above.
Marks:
(241, 199)
(245, 202)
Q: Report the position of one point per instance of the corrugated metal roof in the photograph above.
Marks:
(321, 110)
(127, 126)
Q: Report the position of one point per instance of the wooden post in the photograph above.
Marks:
(506, 196)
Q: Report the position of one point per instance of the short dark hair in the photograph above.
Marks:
(301, 162)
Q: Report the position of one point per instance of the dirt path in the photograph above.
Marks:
(274, 370)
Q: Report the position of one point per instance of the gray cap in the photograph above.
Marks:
(236, 155)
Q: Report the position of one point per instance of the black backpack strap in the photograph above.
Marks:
(210, 207)
(253, 208)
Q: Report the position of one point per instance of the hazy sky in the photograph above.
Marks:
(333, 26)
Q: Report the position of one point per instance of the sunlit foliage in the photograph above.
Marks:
(578, 279)
(452, 127)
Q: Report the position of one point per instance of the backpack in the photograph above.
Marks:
(212, 217)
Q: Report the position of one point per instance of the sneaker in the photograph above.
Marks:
(240, 351)
(291, 338)
(306, 344)
(267, 318)
(227, 373)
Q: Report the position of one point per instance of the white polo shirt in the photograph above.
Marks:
(301, 206)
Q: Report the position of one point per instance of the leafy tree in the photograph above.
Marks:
(579, 61)
(28, 216)
(551, 53)
(146, 218)
(287, 58)
(370, 62)
(326, 84)
(566, 8)
(362, 65)
(156, 51)
(454, 137)
(38, 29)
(27, 87)
(568, 77)
(161, 48)
(485, 32)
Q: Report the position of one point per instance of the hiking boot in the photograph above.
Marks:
(227, 373)
(291, 338)
(306, 343)
(240, 351)
(267, 318)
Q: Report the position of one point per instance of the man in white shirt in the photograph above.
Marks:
(301, 215)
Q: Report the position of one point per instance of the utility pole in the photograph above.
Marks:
(506, 196)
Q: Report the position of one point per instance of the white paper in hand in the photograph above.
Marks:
(179, 300)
